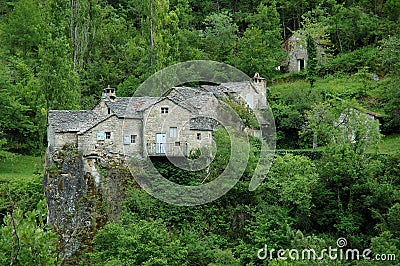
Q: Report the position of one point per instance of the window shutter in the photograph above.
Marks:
(127, 139)
(100, 135)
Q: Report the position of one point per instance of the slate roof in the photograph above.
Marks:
(191, 98)
(130, 107)
(203, 123)
(73, 120)
(232, 86)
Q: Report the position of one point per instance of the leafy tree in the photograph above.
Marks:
(347, 172)
(24, 193)
(312, 60)
(25, 27)
(219, 36)
(319, 121)
(58, 79)
(291, 180)
(352, 28)
(136, 243)
(15, 123)
(288, 106)
(259, 49)
(391, 9)
(26, 239)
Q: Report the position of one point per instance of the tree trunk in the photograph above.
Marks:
(314, 142)
(151, 24)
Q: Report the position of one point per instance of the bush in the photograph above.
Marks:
(26, 239)
(352, 62)
(22, 192)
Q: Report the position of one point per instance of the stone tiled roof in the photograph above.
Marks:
(232, 86)
(73, 120)
(130, 107)
(191, 98)
(203, 123)
(118, 106)
(142, 103)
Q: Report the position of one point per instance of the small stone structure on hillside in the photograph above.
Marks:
(296, 48)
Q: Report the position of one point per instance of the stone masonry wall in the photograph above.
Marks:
(157, 122)
(118, 127)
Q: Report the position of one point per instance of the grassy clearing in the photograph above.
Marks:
(341, 85)
(21, 166)
(21, 179)
(389, 144)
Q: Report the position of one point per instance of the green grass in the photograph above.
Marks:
(21, 179)
(348, 87)
(20, 166)
(389, 144)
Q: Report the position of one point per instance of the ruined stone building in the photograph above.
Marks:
(296, 48)
(138, 126)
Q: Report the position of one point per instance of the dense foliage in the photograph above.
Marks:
(59, 54)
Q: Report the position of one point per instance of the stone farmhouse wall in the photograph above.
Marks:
(177, 117)
(61, 139)
(95, 140)
(254, 99)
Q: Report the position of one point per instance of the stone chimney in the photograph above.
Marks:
(109, 93)
(259, 81)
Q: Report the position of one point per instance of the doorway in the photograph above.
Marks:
(161, 139)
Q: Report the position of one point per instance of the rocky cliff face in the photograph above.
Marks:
(82, 194)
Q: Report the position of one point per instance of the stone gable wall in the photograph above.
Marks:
(259, 99)
(179, 117)
(61, 139)
(88, 142)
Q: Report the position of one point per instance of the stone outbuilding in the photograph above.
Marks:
(296, 48)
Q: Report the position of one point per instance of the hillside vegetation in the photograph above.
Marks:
(60, 54)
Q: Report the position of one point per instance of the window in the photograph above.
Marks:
(129, 139)
(173, 132)
(178, 143)
(164, 110)
(250, 100)
(100, 135)
(108, 110)
(108, 135)
(199, 136)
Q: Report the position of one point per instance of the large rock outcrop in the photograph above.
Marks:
(82, 194)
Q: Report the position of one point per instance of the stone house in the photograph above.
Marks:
(296, 49)
(355, 115)
(173, 124)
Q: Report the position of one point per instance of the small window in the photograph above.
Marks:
(173, 132)
(199, 136)
(164, 110)
(177, 143)
(133, 138)
(108, 110)
(108, 135)
(100, 135)
(127, 139)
